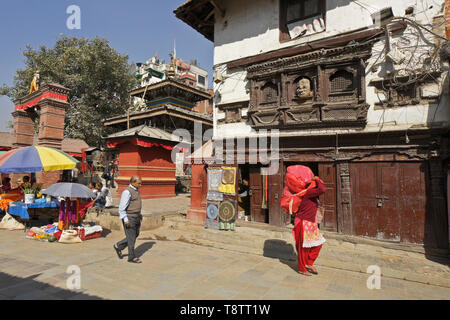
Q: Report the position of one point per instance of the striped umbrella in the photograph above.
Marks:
(36, 159)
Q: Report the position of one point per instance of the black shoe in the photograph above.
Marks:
(119, 253)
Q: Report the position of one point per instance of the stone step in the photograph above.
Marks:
(277, 244)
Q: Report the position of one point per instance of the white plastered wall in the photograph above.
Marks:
(252, 27)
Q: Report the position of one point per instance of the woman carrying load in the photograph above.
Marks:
(301, 197)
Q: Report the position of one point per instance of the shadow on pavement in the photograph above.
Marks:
(105, 233)
(144, 247)
(281, 250)
(28, 288)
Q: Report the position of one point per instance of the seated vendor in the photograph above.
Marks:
(244, 196)
(22, 182)
(6, 185)
(100, 200)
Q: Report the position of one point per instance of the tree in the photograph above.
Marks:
(99, 78)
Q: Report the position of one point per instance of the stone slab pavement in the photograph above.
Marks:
(30, 269)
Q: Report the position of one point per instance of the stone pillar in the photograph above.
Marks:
(197, 212)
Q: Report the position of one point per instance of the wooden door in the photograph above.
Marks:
(413, 201)
(256, 212)
(389, 200)
(327, 172)
(387, 197)
(364, 202)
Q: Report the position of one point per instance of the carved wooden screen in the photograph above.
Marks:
(269, 93)
(341, 81)
(318, 89)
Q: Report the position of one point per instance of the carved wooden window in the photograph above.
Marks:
(341, 81)
(269, 93)
(398, 94)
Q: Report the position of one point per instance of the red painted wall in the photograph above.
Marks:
(153, 164)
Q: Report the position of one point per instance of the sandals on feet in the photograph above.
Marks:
(305, 273)
(135, 260)
(312, 270)
(119, 253)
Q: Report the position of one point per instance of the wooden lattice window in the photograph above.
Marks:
(269, 92)
(341, 81)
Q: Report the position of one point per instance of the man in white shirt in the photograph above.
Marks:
(130, 213)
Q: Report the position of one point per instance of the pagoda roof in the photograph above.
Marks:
(157, 111)
(146, 132)
(170, 88)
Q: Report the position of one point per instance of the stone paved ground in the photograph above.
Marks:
(175, 270)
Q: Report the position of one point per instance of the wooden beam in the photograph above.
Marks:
(334, 41)
(222, 12)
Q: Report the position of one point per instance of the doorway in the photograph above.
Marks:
(253, 197)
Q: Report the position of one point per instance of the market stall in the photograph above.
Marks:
(72, 199)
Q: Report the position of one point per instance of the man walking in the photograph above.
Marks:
(131, 216)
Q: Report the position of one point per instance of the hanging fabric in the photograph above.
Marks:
(264, 195)
(228, 180)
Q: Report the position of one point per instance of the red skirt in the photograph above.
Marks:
(307, 255)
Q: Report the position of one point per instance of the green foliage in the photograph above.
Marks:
(100, 80)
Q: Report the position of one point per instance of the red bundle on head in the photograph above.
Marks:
(297, 182)
(303, 174)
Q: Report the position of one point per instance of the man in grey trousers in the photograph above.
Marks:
(130, 213)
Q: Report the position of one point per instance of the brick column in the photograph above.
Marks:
(53, 112)
(51, 100)
(22, 135)
(51, 125)
(23, 129)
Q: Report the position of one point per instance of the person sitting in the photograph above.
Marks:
(26, 179)
(6, 186)
(100, 200)
(108, 197)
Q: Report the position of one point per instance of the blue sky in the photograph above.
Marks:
(139, 28)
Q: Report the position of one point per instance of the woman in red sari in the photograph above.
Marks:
(308, 239)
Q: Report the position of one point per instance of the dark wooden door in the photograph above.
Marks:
(413, 201)
(389, 201)
(327, 172)
(256, 191)
(277, 216)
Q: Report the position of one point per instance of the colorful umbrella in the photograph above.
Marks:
(36, 159)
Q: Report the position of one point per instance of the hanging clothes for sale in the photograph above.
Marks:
(68, 213)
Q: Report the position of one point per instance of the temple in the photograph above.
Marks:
(146, 142)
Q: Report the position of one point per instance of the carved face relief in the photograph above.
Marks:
(304, 89)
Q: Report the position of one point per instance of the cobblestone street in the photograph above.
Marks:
(176, 270)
